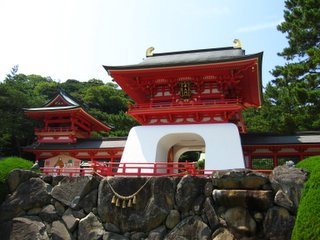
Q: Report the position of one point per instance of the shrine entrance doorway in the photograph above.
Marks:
(177, 144)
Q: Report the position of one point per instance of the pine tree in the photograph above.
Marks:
(293, 97)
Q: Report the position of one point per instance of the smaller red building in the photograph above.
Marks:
(66, 130)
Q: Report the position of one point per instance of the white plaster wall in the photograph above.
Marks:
(222, 144)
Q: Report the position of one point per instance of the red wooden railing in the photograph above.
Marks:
(54, 129)
(134, 169)
(183, 105)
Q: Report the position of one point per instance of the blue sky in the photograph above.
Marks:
(72, 39)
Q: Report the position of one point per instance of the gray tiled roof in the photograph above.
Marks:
(268, 139)
(51, 108)
(81, 144)
(201, 56)
(246, 140)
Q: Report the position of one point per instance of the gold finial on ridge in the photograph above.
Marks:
(149, 51)
(237, 43)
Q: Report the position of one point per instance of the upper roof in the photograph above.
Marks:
(60, 102)
(64, 104)
(192, 57)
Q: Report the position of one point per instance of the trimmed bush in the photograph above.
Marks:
(6, 166)
(307, 225)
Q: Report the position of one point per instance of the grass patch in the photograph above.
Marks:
(307, 225)
(6, 166)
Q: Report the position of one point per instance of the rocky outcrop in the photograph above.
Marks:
(28, 228)
(288, 182)
(190, 228)
(235, 204)
(33, 193)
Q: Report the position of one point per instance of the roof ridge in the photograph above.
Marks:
(192, 51)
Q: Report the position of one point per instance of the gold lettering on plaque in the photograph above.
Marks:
(185, 90)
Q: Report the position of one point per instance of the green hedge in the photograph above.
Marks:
(307, 225)
(6, 166)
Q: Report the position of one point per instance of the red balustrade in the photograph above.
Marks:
(134, 169)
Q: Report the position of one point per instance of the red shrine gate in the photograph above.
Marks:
(201, 86)
(209, 86)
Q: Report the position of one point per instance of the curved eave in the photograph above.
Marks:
(158, 66)
(50, 109)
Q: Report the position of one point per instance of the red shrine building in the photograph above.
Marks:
(184, 101)
(66, 131)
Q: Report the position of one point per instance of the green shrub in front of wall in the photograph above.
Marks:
(6, 166)
(307, 225)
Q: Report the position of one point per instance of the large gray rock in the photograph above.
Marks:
(69, 220)
(33, 193)
(28, 228)
(240, 220)
(190, 228)
(188, 189)
(138, 236)
(154, 202)
(109, 227)
(114, 236)
(90, 228)
(18, 176)
(239, 179)
(88, 202)
(158, 233)
(290, 181)
(222, 234)
(173, 219)
(59, 231)
(71, 190)
(210, 213)
(282, 199)
(251, 199)
(49, 214)
(198, 204)
(278, 224)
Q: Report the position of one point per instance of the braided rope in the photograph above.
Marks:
(130, 196)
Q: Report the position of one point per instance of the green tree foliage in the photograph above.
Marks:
(107, 102)
(292, 99)
(16, 93)
(307, 225)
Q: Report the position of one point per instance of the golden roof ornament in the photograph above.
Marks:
(237, 43)
(149, 51)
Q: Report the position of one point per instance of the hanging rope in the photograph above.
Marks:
(131, 199)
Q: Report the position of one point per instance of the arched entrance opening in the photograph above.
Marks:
(175, 146)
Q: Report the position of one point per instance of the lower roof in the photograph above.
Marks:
(104, 143)
(246, 140)
(278, 139)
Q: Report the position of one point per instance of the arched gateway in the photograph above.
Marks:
(192, 93)
(147, 144)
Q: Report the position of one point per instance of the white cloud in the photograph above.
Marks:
(259, 27)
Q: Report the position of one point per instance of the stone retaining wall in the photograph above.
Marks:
(235, 204)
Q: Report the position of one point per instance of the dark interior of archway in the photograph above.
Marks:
(190, 156)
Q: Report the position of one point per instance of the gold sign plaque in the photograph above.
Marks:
(185, 90)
